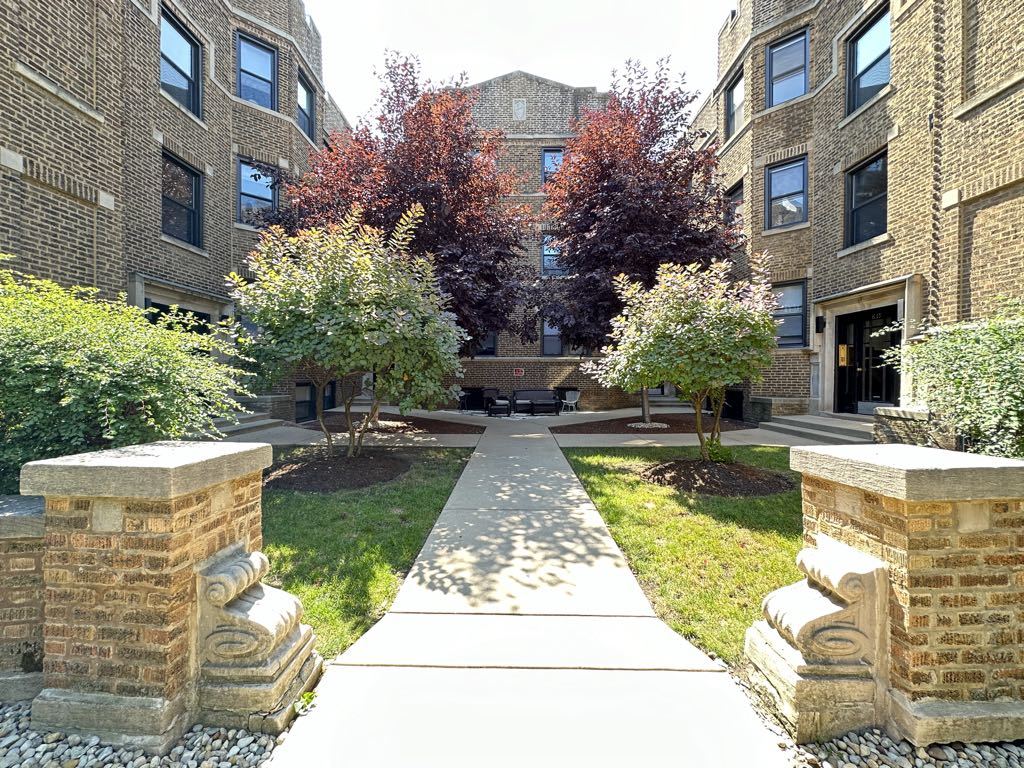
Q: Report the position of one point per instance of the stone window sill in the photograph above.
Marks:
(878, 240)
(246, 227)
(788, 228)
(185, 246)
(186, 112)
(865, 106)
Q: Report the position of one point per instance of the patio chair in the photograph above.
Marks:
(571, 400)
(495, 404)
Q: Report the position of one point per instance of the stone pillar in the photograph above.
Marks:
(21, 597)
(132, 535)
(941, 533)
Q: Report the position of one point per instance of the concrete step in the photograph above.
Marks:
(248, 422)
(856, 429)
(814, 435)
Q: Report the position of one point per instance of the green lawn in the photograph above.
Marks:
(345, 554)
(705, 562)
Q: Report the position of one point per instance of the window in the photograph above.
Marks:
(182, 189)
(306, 108)
(256, 193)
(734, 106)
(257, 72)
(866, 195)
(551, 161)
(791, 314)
(549, 253)
(734, 205)
(159, 309)
(867, 61)
(487, 346)
(180, 63)
(787, 194)
(787, 69)
(551, 340)
(305, 400)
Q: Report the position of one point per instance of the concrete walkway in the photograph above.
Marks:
(521, 638)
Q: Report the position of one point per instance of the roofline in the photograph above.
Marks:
(591, 88)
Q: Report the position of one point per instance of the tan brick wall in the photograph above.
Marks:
(120, 605)
(83, 116)
(957, 582)
(951, 124)
(21, 604)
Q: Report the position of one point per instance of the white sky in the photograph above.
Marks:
(577, 42)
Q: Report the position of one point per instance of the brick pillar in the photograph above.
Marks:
(127, 531)
(947, 529)
(21, 597)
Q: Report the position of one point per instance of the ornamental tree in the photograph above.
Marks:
(424, 147)
(696, 328)
(635, 190)
(347, 299)
(78, 373)
(970, 375)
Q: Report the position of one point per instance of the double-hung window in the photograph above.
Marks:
(257, 72)
(551, 340)
(550, 162)
(180, 63)
(867, 188)
(549, 255)
(257, 195)
(791, 314)
(734, 106)
(787, 68)
(487, 346)
(305, 112)
(786, 187)
(734, 205)
(867, 61)
(182, 193)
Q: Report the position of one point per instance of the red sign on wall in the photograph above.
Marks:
(518, 373)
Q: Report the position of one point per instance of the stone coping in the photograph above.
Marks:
(21, 517)
(912, 414)
(913, 472)
(160, 470)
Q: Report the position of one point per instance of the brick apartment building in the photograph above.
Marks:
(536, 115)
(127, 130)
(876, 151)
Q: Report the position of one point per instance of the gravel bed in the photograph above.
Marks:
(21, 747)
(873, 749)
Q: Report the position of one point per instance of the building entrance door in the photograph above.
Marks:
(863, 380)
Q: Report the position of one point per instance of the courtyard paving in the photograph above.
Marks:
(520, 637)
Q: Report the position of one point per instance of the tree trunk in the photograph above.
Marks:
(370, 418)
(321, 388)
(698, 416)
(645, 405)
(717, 404)
(351, 426)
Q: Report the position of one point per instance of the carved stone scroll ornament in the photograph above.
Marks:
(255, 655)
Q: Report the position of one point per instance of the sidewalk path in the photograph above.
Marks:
(521, 638)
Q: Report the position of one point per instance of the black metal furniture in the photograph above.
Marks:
(534, 401)
(494, 403)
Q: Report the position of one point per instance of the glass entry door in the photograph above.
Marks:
(863, 380)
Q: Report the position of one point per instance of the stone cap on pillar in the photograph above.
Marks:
(160, 470)
(913, 472)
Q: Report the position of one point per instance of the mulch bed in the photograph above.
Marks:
(323, 472)
(714, 478)
(678, 423)
(391, 424)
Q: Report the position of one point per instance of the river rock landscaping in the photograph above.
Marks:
(22, 747)
(873, 749)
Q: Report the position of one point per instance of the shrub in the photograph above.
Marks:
(971, 376)
(348, 299)
(78, 373)
(699, 329)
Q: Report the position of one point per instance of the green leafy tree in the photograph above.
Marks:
(345, 300)
(78, 373)
(971, 376)
(696, 328)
